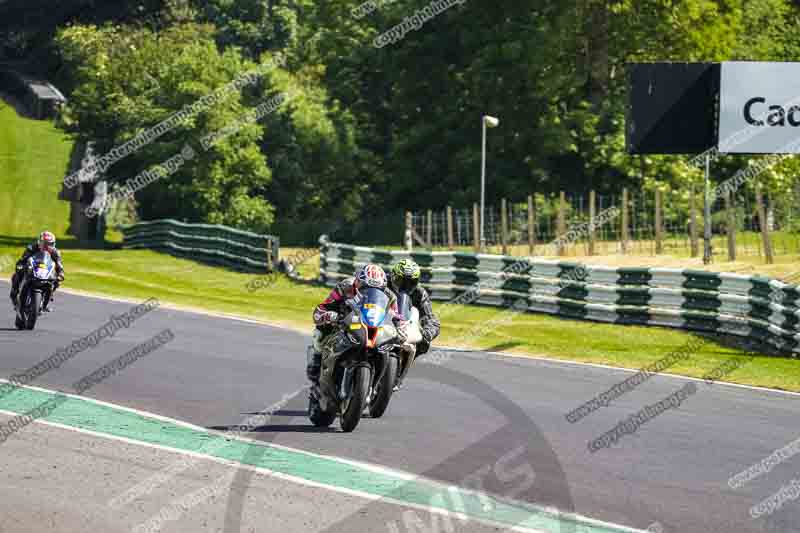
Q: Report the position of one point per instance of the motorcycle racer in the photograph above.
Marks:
(405, 277)
(45, 243)
(329, 311)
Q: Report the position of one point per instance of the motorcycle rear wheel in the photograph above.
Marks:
(358, 400)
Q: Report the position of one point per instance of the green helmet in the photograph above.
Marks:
(405, 275)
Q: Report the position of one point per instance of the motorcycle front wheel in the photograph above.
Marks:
(358, 399)
(33, 310)
(383, 390)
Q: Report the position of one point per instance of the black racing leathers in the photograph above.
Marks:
(30, 250)
(429, 322)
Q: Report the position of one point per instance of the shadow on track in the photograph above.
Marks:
(283, 412)
(278, 428)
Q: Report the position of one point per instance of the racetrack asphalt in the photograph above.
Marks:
(449, 422)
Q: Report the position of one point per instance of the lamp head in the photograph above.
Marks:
(491, 122)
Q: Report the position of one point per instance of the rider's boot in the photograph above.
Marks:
(313, 368)
(48, 305)
(313, 365)
(14, 289)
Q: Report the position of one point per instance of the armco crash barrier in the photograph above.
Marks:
(759, 308)
(220, 245)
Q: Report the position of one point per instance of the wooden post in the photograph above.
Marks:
(561, 230)
(624, 229)
(731, 226)
(531, 227)
(762, 222)
(693, 222)
(504, 225)
(450, 239)
(429, 234)
(659, 242)
(409, 233)
(592, 215)
(476, 225)
(270, 260)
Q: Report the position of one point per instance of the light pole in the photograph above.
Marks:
(486, 122)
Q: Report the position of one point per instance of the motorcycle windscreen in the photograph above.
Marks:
(374, 305)
(42, 265)
(404, 305)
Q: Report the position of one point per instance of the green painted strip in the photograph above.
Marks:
(83, 414)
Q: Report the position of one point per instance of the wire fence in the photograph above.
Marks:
(538, 222)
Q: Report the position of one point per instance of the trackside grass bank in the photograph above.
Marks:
(34, 156)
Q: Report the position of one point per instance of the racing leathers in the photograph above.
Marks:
(29, 251)
(429, 322)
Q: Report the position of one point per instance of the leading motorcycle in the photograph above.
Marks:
(357, 360)
(36, 289)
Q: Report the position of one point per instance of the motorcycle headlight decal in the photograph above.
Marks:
(373, 315)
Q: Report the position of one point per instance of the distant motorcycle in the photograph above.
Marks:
(359, 363)
(37, 286)
(405, 352)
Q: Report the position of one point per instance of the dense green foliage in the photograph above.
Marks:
(370, 131)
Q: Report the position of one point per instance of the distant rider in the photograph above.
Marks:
(328, 313)
(46, 243)
(405, 277)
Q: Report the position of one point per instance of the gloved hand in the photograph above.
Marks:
(60, 276)
(330, 317)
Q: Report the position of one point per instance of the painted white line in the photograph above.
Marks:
(404, 476)
(477, 354)
(635, 370)
(188, 310)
